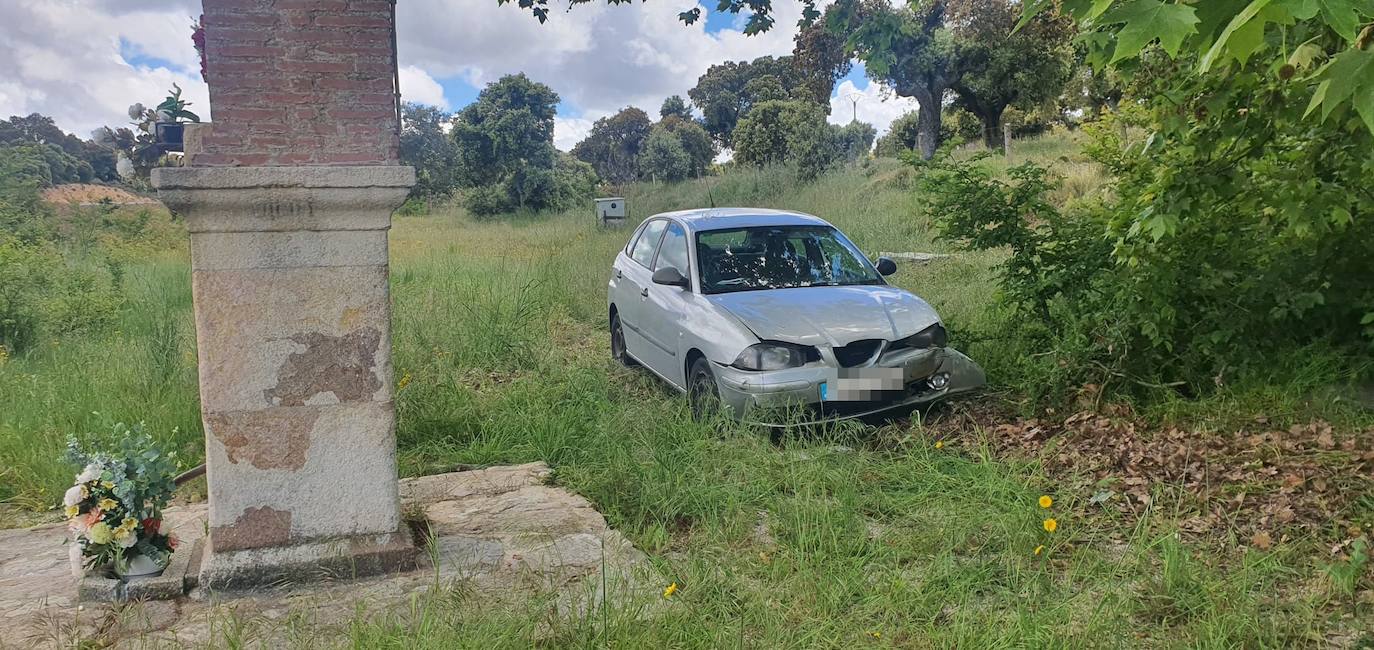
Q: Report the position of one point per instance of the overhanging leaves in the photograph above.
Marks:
(1146, 21)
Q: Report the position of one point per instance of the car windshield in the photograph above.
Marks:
(779, 257)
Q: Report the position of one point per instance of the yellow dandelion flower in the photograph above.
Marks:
(1046, 501)
(1051, 525)
(107, 504)
(405, 381)
(1040, 549)
(876, 634)
(670, 590)
(73, 511)
(939, 444)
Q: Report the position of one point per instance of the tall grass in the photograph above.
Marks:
(869, 536)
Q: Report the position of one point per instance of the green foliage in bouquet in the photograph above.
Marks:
(115, 507)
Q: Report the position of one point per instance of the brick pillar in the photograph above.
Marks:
(288, 197)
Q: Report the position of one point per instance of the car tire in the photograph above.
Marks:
(618, 343)
(703, 394)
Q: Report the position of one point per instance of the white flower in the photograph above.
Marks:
(136, 111)
(125, 167)
(74, 495)
(126, 538)
(91, 473)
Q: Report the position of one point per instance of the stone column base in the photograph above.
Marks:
(293, 333)
(319, 561)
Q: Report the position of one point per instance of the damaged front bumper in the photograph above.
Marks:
(899, 379)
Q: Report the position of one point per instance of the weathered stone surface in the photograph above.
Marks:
(252, 323)
(346, 485)
(216, 251)
(531, 548)
(283, 199)
(342, 366)
(425, 490)
(253, 528)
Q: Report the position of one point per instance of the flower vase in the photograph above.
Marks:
(140, 566)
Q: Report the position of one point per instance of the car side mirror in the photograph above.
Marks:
(670, 276)
(886, 266)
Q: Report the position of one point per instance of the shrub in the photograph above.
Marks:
(1196, 269)
(663, 158)
(41, 293)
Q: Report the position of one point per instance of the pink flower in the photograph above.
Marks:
(83, 523)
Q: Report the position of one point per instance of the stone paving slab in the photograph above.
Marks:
(502, 531)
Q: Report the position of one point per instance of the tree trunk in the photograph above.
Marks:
(992, 130)
(928, 129)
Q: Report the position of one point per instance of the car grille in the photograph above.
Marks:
(857, 353)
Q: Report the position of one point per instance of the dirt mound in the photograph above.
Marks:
(88, 194)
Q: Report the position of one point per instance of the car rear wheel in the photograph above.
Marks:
(618, 342)
(702, 392)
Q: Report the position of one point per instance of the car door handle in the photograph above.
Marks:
(644, 293)
(618, 274)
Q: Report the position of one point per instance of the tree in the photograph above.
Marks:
(786, 132)
(819, 58)
(675, 106)
(854, 140)
(725, 94)
(426, 147)
(96, 162)
(1004, 66)
(504, 146)
(695, 141)
(612, 147)
(900, 136)
(910, 49)
(664, 158)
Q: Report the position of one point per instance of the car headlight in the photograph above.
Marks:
(774, 356)
(934, 336)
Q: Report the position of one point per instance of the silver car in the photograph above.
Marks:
(753, 309)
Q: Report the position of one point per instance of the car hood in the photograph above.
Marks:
(829, 316)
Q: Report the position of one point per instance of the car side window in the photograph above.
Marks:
(630, 245)
(673, 251)
(647, 243)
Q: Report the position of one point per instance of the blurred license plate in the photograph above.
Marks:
(862, 385)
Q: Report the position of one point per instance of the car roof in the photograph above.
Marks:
(702, 219)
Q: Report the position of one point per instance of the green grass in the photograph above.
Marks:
(499, 339)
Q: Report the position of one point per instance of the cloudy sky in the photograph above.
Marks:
(84, 61)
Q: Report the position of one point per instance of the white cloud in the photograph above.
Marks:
(417, 86)
(599, 58)
(65, 60)
(877, 105)
(568, 131)
(65, 56)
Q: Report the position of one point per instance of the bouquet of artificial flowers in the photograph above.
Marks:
(115, 508)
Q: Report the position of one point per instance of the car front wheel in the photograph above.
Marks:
(702, 392)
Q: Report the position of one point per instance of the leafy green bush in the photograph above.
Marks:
(663, 158)
(787, 132)
(1214, 256)
(42, 293)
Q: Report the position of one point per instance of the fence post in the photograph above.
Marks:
(1006, 140)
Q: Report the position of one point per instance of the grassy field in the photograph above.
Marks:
(896, 536)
